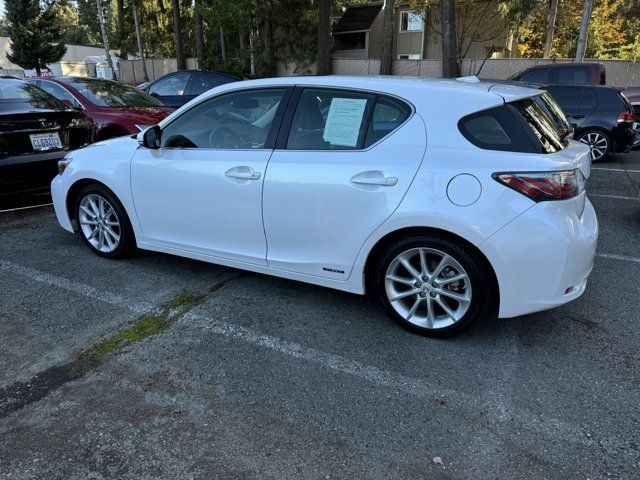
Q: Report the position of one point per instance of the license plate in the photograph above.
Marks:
(45, 141)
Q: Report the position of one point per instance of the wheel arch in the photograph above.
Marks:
(77, 186)
(379, 247)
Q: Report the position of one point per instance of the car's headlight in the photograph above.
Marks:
(142, 127)
(62, 164)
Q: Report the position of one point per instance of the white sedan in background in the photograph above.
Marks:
(447, 200)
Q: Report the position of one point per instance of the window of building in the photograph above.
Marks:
(410, 22)
(409, 56)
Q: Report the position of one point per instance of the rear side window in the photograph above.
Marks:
(523, 126)
(201, 82)
(574, 75)
(567, 97)
(588, 99)
(496, 129)
(540, 75)
(388, 114)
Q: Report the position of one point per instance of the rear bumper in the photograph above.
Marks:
(543, 258)
(624, 138)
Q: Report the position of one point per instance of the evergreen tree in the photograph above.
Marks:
(33, 32)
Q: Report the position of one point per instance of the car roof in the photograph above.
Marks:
(388, 84)
(566, 65)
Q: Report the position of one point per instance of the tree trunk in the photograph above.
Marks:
(268, 41)
(584, 31)
(198, 31)
(105, 39)
(252, 51)
(323, 60)
(223, 44)
(450, 67)
(388, 31)
(551, 26)
(177, 33)
(121, 34)
(515, 40)
(136, 23)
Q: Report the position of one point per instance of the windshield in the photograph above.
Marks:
(18, 91)
(105, 93)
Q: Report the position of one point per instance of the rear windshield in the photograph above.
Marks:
(104, 93)
(524, 126)
(19, 91)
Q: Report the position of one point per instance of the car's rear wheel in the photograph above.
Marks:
(103, 222)
(432, 285)
(598, 142)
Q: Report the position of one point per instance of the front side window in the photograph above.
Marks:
(172, 86)
(105, 93)
(410, 22)
(330, 120)
(239, 120)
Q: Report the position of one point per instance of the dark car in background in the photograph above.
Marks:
(601, 117)
(564, 73)
(177, 88)
(116, 109)
(36, 130)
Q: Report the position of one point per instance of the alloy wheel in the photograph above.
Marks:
(598, 144)
(428, 288)
(99, 223)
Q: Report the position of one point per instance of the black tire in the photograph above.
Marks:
(583, 137)
(127, 243)
(475, 269)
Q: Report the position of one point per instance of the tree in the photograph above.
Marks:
(198, 30)
(323, 62)
(34, 35)
(450, 66)
(105, 38)
(388, 32)
(177, 33)
(551, 25)
(136, 23)
(122, 36)
(584, 30)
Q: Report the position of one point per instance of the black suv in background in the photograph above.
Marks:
(601, 117)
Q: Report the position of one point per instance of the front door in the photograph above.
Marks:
(338, 172)
(201, 191)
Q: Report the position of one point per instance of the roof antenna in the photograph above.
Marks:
(485, 59)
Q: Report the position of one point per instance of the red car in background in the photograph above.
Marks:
(115, 109)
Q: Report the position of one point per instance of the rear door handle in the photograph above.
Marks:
(243, 173)
(374, 178)
(577, 116)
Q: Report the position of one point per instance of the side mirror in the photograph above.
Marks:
(150, 138)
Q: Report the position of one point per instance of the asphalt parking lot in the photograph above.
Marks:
(162, 367)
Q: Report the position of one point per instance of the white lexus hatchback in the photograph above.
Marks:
(445, 199)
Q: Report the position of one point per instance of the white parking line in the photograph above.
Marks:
(608, 169)
(624, 258)
(496, 410)
(25, 208)
(615, 197)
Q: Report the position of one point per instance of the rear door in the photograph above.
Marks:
(343, 161)
(568, 97)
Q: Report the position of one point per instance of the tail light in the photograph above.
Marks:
(542, 186)
(625, 117)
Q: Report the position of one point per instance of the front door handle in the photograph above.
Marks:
(374, 178)
(243, 173)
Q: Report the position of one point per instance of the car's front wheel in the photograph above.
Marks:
(432, 285)
(103, 222)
